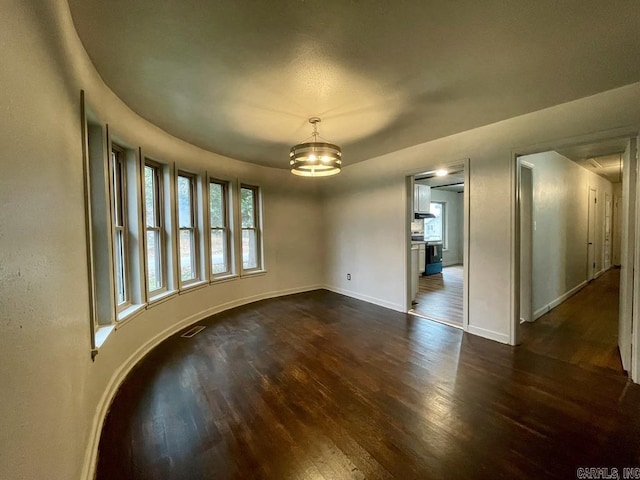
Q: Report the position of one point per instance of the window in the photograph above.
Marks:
(155, 246)
(249, 213)
(119, 221)
(219, 224)
(434, 227)
(188, 241)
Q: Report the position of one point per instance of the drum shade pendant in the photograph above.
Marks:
(315, 158)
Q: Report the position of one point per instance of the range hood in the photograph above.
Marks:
(419, 215)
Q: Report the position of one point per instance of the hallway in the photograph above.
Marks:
(583, 330)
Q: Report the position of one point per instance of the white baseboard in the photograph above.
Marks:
(366, 298)
(541, 311)
(601, 272)
(88, 471)
(451, 263)
(490, 334)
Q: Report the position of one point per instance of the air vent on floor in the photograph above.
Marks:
(193, 331)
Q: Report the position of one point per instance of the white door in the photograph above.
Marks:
(591, 236)
(606, 253)
(627, 253)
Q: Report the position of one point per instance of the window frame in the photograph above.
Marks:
(158, 228)
(119, 226)
(195, 244)
(443, 221)
(226, 228)
(257, 228)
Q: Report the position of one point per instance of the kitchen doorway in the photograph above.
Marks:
(439, 244)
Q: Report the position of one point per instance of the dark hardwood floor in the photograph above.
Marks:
(321, 386)
(583, 329)
(440, 295)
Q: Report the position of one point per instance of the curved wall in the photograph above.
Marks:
(53, 395)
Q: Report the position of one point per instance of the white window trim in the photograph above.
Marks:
(257, 205)
(153, 295)
(444, 223)
(195, 239)
(227, 230)
(117, 156)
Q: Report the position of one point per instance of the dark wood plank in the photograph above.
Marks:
(440, 296)
(583, 330)
(321, 386)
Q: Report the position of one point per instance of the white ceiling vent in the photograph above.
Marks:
(595, 163)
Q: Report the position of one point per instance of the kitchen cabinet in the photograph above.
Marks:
(421, 198)
(422, 257)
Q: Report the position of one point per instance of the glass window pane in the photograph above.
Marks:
(150, 193)
(216, 204)
(118, 200)
(218, 252)
(246, 207)
(187, 255)
(249, 249)
(120, 267)
(434, 226)
(185, 218)
(154, 265)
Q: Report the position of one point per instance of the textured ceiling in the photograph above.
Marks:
(241, 77)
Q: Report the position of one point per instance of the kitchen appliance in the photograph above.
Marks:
(433, 258)
(417, 230)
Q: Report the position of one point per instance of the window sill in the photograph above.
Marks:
(129, 312)
(253, 273)
(102, 333)
(224, 278)
(193, 286)
(160, 298)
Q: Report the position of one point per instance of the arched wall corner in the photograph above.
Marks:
(119, 375)
(54, 396)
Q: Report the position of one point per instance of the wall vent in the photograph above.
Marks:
(192, 332)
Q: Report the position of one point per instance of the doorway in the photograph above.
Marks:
(572, 226)
(439, 244)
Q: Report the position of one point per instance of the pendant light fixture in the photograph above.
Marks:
(315, 158)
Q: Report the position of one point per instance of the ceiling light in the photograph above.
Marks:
(441, 173)
(315, 159)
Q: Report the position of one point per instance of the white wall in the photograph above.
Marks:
(51, 391)
(366, 205)
(453, 224)
(560, 216)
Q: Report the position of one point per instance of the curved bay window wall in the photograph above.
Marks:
(155, 230)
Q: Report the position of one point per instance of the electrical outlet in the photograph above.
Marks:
(348, 276)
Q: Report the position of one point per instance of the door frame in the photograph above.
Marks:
(627, 132)
(607, 250)
(521, 164)
(409, 189)
(592, 211)
(630, 238)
